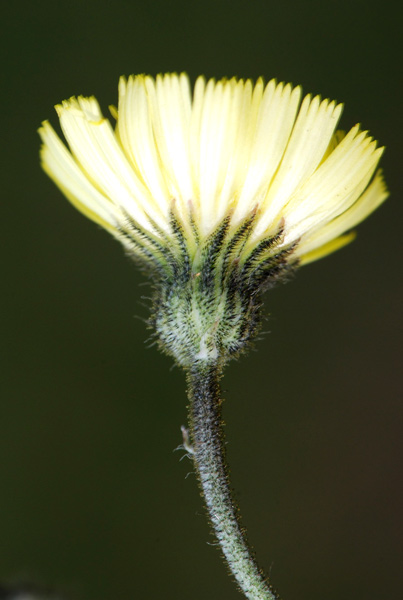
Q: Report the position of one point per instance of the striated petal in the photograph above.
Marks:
(238, 145)
(220, 129)
(269, 138)
(336, 185)
(95, 146)
(307, 145)
(369, 201)
(328, 248)
(170, 108)
(135, 131)
(58, 163)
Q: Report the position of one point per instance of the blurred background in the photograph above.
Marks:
(94, 502)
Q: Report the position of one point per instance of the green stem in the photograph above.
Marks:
(209, 459)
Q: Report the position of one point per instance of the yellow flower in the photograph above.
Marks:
(221, 192)
(230, 148)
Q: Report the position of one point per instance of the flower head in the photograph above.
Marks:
(233, 184)
(231, 149)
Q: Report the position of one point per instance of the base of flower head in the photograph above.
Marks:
(207, 300)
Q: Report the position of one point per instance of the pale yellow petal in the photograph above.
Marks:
(309, 140)
(275, 120)
(335, 186)
(369, 201)
(62, 168)
(170, 105)
(328, 248)
(135, 132)
(94, 144)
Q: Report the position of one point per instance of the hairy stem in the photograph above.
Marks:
(209, 459)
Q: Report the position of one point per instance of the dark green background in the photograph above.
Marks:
(93, 499)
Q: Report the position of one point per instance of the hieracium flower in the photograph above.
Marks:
(218, 194)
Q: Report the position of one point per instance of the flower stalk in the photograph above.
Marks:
(209, 459)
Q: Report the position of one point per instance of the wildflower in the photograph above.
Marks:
(233, 188)
(219, 194)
